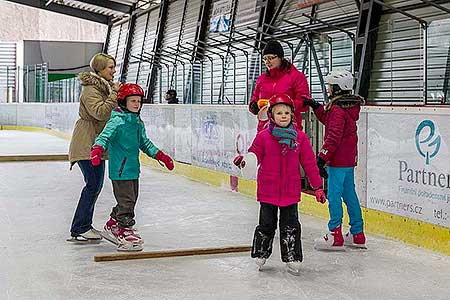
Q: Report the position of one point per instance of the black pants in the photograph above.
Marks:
(126, 193)
(290, 232)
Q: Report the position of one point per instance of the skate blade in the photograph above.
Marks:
(109, 238)
(130, 248)
(293, 272)
(356, 246)
(82, 241)
(330, 249)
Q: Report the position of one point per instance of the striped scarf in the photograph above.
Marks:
(286, 135)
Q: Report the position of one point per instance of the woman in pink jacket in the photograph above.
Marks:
(281, 77)
(281, 149)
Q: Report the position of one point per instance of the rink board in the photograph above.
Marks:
(204, 140)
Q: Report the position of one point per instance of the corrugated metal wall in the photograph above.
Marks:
(171, 37)
(439, 62)
(230, 74)
(398, 66)
(7, 71)
(339, 42)
(117, 43)
(227, 74)
(136, 48)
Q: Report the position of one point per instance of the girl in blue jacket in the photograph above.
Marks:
(124, 135)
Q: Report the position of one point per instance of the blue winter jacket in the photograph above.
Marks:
(124, 134)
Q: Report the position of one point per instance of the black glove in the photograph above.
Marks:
(322, 171)
(253, 107)
(308, 101)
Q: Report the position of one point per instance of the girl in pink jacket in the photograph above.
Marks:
(281, 149)
(281, 77)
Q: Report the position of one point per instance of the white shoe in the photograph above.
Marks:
(91, 234)
(294, 267)
(260, 262)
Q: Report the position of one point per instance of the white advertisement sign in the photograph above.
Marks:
(221, 16)
(408, 165)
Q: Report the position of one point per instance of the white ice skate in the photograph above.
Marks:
(129, 240)
(111, 231)
(260, 262)
(332, 241)
(91, 236)
(355, 240)
(293, 267)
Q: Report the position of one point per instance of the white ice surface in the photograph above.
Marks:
(37, 201)
(14, 142)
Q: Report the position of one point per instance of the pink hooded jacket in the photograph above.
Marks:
(340, 146)
(279, 178)
(291, 82)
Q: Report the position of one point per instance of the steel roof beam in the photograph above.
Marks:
(65, 10)
(112, 5)
(445, 9)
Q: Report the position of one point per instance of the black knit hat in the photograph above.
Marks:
(273, 47)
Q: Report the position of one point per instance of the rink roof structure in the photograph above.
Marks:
(101, 11)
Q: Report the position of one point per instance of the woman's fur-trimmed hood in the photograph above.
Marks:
(90, 78)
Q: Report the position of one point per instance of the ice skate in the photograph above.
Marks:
(260, 262)
(91, 236)
(129, 240)
(355, 240)
(111, 231)
(333, 241)
(293, 267)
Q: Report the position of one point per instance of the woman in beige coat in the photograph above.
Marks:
(98, 98)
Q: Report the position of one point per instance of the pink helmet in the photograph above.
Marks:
(280, 99)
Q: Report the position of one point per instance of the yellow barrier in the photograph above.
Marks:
(418, 233)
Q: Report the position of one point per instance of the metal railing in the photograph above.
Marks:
(31, 83)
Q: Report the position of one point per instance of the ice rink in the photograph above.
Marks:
(37, 202)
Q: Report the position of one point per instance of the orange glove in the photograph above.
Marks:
(262, 103)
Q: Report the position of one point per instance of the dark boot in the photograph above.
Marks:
(291, 243)
(262, 244)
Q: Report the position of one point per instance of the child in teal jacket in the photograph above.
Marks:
(124, 135)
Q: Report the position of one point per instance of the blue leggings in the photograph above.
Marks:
(341, 185)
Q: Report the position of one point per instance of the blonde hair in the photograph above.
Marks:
(100, 61)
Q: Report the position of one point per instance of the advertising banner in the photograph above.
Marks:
(221, 16)
(408, 165)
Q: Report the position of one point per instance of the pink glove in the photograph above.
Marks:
(96, 155)
(320, 196)
(168, 162)
(239, 161)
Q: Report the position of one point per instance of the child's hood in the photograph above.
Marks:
(126, 116)
(351, 104)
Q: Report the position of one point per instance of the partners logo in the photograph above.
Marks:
(428, 141)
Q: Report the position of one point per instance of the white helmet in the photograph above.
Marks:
(343, 78)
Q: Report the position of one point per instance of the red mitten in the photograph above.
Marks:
(320, 196)
(96, 155)
(168, 162)
(239, 162)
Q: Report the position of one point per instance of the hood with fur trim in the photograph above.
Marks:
(90, 78)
